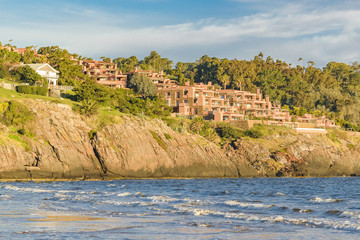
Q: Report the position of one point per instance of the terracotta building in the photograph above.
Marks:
(221, 105)
(105, 73)
(158, 79)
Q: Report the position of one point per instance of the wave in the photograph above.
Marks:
(5, 197)
(302, 210)
(124, 194)
(247, 204)
(319, 223)
(350, 214)
(344, 214)
(120, 203)
(326, 200)
(34, 190)
(162, 198)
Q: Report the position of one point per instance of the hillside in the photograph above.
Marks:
(61, 144)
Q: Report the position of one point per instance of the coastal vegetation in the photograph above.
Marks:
(332, 91)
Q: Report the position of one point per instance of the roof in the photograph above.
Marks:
(37, 66)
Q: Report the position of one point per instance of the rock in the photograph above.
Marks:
(65, 146)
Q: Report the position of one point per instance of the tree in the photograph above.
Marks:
(126, 64)
(3, 71)
(142, 85)
(26, 74)
(155, 62)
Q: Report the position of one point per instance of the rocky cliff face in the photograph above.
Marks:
(65, 146)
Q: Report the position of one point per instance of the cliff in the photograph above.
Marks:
(65, 145)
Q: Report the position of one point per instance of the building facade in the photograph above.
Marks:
(105, 73)
(46, 71)
(158, 79)
(221, 105)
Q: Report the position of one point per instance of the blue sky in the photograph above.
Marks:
(184, 30)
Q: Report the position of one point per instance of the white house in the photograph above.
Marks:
(46, 71)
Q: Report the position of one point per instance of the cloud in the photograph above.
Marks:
(290, 32)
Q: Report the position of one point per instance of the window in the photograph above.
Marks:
(178, 94)
(197, 94)
(195, 100)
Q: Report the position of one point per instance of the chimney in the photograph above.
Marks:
(258, 91)
(209, 83)
(267, 98)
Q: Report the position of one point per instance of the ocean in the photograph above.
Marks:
(254, 208)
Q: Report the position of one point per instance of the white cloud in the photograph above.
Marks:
(287, 33)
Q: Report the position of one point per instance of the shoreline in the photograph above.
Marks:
(159, 178)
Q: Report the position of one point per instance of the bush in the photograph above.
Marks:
(230, 132)
(257, 131)
(16, 114)
(32, 90)
(177, 125)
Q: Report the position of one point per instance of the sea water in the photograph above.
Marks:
(259, 208)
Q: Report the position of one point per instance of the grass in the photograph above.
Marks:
(159, 141)
(17, 138)
(108, 116)
(6, 94)
(6, 81)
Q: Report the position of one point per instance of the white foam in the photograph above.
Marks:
(246, 204)
(5, 197)
(281, 194)
(120, 203)
(326, 200)
(34, 190)
(124, 194)
(353, 215)
(321, 223)
(62, 196)
(161, 198)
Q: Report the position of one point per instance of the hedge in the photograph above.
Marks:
(32, 90)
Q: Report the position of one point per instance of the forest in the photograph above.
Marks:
(333, 91)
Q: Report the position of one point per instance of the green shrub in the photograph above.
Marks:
(257, 131)
(178, 125)
(229, 132)
(88, 107)
(92, 134)
(32, 90)
(197, 124)
(16, 114)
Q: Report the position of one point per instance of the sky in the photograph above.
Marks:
(185, 30)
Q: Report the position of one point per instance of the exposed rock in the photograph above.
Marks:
(66, 147)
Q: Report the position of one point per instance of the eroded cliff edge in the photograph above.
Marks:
(67, 146)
